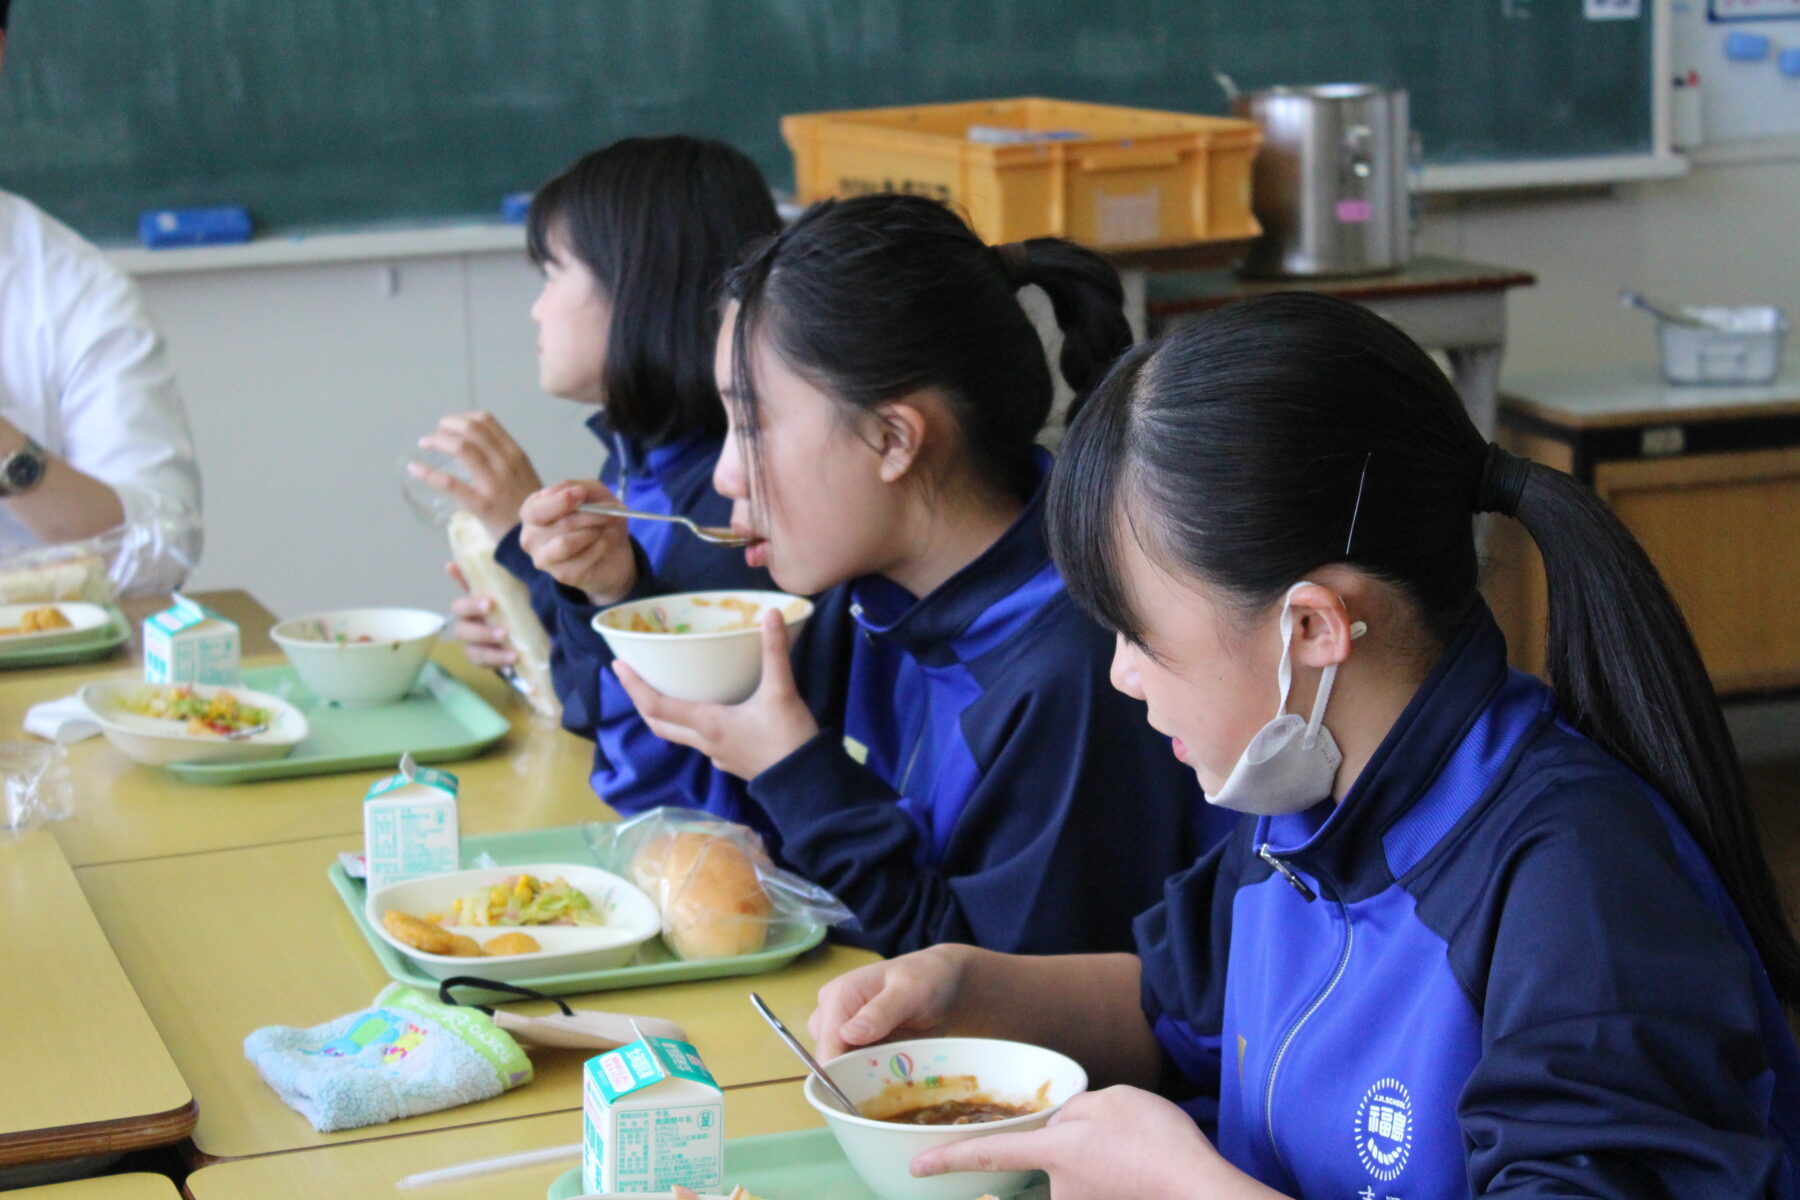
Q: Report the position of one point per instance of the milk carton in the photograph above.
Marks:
(186, 643)
(409, 825)
(654, 1118)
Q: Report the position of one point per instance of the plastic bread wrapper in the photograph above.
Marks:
(38, 789)
(719, 891)
(84, 570)
(472, 547)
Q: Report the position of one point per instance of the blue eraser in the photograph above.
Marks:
(1746, 47)
(1790, 61)
(222, 225)
(514, 206)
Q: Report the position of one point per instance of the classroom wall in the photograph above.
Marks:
(305, 384)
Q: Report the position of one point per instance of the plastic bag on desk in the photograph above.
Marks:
(719, 892)
(63, 571)
(36, 778)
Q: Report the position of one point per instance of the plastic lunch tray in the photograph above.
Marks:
(653, 964)
(804, 1165)
(440, 720)
(97, 643)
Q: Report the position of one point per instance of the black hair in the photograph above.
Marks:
(881, 296)
(4, 5)
(1235, 450)
(657, 220)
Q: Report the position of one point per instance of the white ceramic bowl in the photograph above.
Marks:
(156, 741)
(360, 657)
(719, 657)
(631, 920)
(881, 1152)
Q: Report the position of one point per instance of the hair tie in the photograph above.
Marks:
(1503, 479)
(1015, 264)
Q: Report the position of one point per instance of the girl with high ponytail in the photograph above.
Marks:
(1483, 935)
(943, 750)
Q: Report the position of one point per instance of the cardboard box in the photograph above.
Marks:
(655, 1117)
(188, 643)
(409, 825)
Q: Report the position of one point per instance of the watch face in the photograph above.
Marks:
(23, 470)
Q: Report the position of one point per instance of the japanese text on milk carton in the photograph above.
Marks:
(187, 643)
(409, 825)
(655, 1117)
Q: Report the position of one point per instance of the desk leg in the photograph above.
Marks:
(1475, 370)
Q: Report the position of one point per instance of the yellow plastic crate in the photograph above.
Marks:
(1122, 178)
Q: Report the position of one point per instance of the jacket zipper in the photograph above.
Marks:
(1318, 1002)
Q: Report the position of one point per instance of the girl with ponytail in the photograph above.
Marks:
(1483, 936)
(943, 750)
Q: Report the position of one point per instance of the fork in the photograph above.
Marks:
(718, 535)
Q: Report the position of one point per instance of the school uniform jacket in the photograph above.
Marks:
(977, 778)
(1515, 975)
(674, 478)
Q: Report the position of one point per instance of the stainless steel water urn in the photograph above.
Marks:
(1331, 180)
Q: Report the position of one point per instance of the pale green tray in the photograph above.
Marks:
(440, 720)
(96, 643)
(653, 964)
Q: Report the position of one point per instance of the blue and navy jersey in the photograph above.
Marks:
(977, 778)
(674, 478)
(1513, 973)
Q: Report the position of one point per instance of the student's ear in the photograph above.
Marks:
(899, 437)
(1323, 629)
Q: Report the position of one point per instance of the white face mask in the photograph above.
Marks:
(1290, 764)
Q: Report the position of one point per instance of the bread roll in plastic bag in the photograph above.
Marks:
(719, 893)
(473, 549)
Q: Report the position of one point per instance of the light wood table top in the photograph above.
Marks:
(136, 1186)
(1589, 399)
(85, 1071)
(535, 777)
(370, 1169)
(222, 943)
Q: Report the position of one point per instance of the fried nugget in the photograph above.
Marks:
(420, 935)
(511, 943)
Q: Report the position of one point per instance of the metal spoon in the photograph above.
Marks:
(718, 535)
(1664, 312)
(812, 1064)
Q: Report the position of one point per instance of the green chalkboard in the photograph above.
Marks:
(322, 114)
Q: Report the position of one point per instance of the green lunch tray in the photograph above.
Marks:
(96, 643)
(803, 1165)
(440, 720)
(653, 963)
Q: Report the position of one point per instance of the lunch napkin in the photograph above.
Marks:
(404, 1055)
(64, 721)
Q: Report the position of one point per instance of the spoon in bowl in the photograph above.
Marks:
(812, 1064)
(718, 535)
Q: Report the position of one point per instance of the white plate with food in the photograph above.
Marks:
(159, 723)
(45, 624)
(704, 646)
(514, 922)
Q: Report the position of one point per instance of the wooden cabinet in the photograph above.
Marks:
(1708, 479)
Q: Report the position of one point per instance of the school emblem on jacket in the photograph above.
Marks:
(1384, 1129)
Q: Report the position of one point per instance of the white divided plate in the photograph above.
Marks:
(83, 619)
(631, 920)
(158, 740)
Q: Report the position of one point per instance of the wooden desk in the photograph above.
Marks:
(86, 1073)
(370, 1169)
(135, 1186)
(1707, 478)
(222, 943)
(536, 777)
(1442, 303)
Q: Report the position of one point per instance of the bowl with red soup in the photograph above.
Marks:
(911, 1096)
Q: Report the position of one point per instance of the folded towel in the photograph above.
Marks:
(66, 720)
(404, 1055)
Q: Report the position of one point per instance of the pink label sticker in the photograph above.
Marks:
(1353, 212)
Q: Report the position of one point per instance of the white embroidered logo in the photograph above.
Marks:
(1384, 1129)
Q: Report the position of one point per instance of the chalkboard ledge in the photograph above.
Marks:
(305, 249)
(1551, 172)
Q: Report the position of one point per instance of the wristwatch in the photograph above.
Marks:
(21, 470)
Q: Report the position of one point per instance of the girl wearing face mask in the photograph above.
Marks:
(633, 240)
(944, 752)
(1482, 937)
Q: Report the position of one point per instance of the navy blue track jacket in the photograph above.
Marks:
(1520, 977)
(674, 478)
(977, 778)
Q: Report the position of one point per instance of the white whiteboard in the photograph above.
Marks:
(1739, 101)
